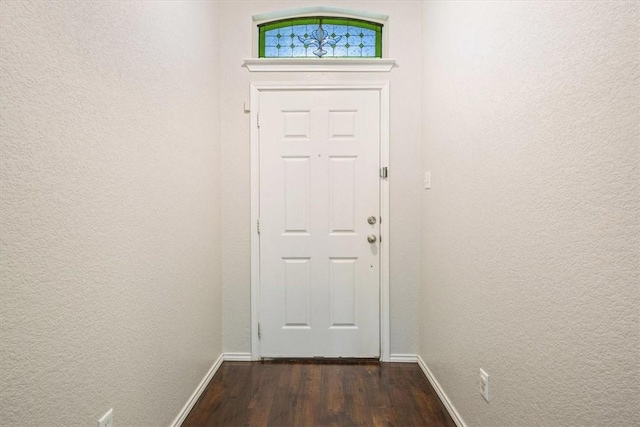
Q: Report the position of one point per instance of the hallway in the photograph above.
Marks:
(134, 231)
(310, 393)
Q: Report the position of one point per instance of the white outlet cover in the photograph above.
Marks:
(107, 419)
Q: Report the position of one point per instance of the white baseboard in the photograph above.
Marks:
(403, 358)
(182, 415)
(443, 396)
(237, 357)
(231, 357)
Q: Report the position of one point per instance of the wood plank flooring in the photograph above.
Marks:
(311, 393)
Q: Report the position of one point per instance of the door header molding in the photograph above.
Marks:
(325, 10)
(341, 65)
(262, 86)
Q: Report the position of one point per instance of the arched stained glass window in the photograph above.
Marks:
(321, 37)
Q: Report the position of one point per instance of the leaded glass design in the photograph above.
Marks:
(320, 37)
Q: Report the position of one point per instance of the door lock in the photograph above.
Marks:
(371, 220)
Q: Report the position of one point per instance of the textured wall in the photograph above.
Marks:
(404, 45)
(110, 279)
(530, 233)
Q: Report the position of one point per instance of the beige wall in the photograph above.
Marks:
(530, 232)
(404, 45)
(110, 289)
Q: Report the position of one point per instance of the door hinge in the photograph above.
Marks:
(384, 172)
(259, 332)
(258, 225)
(258, 119)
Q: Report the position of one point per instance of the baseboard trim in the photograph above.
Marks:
(182, 415)
(441, 394)
(237, 357)
(403, 358)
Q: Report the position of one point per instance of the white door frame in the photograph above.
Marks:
(256, 89)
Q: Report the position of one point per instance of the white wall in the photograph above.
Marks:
(530, 232)
(404, 45)
(110, 278)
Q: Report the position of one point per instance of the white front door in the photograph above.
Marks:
(319, 184)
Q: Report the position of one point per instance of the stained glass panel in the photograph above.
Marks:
(320, 37)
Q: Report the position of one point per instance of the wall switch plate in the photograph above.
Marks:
(107, 419)
(484, 385)
(427, 180)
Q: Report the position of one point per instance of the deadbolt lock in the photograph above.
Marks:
(371, 220)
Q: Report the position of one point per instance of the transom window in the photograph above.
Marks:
(320, 37)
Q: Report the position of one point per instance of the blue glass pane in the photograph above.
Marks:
(329, 28)
(342, 41)
(340, 51)
(340, 30)
(354, 31)
(369, 40)
(311, 29)
(367, 32)
(285, 52)
(285, 31)
(270, 41)
(271, 52)
(369, 51)
(299, 52)
(300, 30)
(354, 51)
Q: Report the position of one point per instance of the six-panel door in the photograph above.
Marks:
(319, 183)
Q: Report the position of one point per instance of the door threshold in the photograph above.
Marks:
(322, 360)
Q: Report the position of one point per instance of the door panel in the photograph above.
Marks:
(342, 206)
(342, 282)
(296, 194)
(297, 282)
(319, 276)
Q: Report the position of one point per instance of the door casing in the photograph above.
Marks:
(256, 89)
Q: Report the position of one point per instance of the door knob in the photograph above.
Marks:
(371, 238)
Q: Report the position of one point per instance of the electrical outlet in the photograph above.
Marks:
(107, 419)
(484, 385)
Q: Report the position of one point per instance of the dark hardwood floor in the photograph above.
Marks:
(310, 393)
